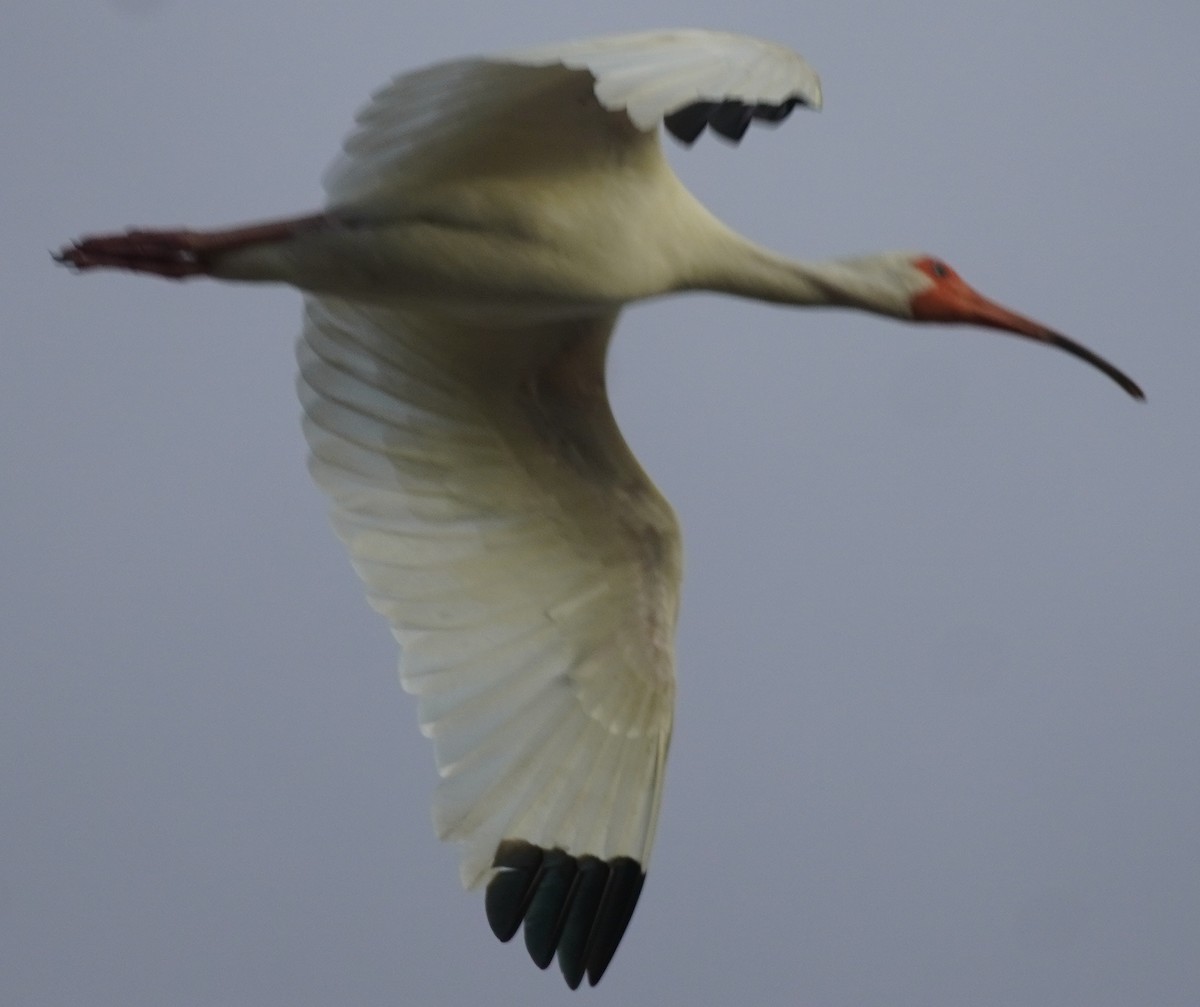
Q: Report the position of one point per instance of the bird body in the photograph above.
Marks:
(474, 251)
(485, 224)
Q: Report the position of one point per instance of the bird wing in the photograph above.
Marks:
(530, 572)
(657, 75)
(567, 103)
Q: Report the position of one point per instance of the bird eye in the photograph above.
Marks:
(940, 269)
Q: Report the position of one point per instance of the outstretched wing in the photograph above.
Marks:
(567, 103)
(530, 572)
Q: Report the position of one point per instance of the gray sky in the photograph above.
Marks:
(936, 741)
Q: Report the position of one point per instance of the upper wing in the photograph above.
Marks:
(530, 571)
(689, 77)
(571, 102)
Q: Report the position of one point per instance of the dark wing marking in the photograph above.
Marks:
(577, 906)
(729, 119)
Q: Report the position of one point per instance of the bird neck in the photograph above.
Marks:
(745, 269)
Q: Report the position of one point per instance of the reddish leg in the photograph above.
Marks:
(180, 253)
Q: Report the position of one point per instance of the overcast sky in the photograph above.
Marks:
(937, 736)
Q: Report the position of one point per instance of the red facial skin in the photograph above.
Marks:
(952, 300)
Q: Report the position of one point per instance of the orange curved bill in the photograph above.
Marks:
(952, 300)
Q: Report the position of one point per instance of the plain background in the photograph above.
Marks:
(937, 735)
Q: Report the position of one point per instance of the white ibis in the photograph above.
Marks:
(485, 225)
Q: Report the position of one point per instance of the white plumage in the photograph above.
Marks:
(486, 223)
(530, 577)
(650, 75)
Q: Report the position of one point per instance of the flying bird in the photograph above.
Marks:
(485, 224)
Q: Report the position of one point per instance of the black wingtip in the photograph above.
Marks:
(625, 882)
(578, 907)
(546, 915)
(728, 119)
(509, 892)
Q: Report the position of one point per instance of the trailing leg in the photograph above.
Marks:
(178, 254)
